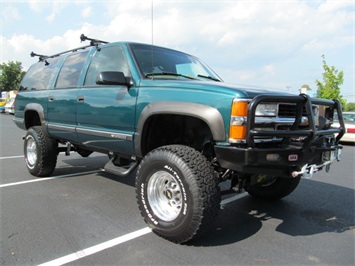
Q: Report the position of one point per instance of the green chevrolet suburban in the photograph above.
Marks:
(166, 115)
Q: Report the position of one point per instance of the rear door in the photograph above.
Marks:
(62, 99)
(106, 113)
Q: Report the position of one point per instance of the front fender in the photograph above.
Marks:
(211, 116)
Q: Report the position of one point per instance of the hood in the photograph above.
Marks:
(211, 86)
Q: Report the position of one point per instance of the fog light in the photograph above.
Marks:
(273, 157)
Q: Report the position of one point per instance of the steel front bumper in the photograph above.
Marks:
(285, 162)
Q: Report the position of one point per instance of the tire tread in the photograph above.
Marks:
(205, 191)
(47, 155)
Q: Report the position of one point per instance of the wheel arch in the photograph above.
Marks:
(207, 117)
(34, 115)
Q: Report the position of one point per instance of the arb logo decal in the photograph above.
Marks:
(293, 157)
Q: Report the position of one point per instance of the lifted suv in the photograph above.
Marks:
(171, 116)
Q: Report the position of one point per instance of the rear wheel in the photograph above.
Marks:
(177, 193)
(277, 188)
(40, 152)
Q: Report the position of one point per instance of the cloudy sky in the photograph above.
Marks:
(270, 44)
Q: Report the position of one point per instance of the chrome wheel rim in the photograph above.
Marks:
(164, 195)
(31, 152)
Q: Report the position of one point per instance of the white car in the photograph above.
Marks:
(10, 106)
(349, 120)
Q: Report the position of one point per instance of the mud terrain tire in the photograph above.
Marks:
(177, 193)
(40, 152)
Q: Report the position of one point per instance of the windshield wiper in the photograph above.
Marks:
(167, 74)
(208, 77)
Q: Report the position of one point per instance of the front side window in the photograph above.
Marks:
(38, 76)
(70, 72)
(106, 59)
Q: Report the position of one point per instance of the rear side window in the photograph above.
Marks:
(38, 76)
(106, 59)
(70, 72)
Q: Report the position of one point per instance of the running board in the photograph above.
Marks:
(122, 171)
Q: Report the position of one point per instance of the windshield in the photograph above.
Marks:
(156, 62)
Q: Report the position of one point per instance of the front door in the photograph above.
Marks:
(106, 113)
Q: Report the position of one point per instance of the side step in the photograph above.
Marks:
(120, 170)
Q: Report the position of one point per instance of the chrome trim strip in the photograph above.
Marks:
(70, 129)
(105, 134)
(279, 120)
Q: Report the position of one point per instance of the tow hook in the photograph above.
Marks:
(307, 171)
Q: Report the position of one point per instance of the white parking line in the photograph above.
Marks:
(11, 157)
(48, 178)
(105, 245)
(234, 198)
(116, 241)
(100, 247)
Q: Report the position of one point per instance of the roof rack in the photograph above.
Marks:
(93, 42)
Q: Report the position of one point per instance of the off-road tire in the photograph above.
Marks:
(177, 193)
(40, 152)
(278, 188)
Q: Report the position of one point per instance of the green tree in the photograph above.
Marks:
(11, 75)
(332, 79)
(350, 107)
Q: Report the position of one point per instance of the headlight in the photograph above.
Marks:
(266, 110)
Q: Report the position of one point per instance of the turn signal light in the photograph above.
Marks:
(239, 108)
(238, 128)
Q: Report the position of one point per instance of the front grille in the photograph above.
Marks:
(289, 110)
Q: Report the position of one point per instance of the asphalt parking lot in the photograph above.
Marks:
(84, 216)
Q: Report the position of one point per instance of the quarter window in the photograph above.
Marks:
(38, 76)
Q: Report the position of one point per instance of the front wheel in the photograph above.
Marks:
(40, 152)
(277, 188)
(177, 193)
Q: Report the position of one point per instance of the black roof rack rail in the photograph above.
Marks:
(93, 42)
(41, 56)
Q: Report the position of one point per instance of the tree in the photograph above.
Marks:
(332, 79)
(11, 75)
(350, 107)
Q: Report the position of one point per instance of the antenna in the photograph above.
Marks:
(152, 48)
(152, 18)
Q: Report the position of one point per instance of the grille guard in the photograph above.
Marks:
(301, 101)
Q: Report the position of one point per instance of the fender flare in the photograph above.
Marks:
(37, 108)
(211, 116)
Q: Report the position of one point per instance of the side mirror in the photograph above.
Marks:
(113, 78)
